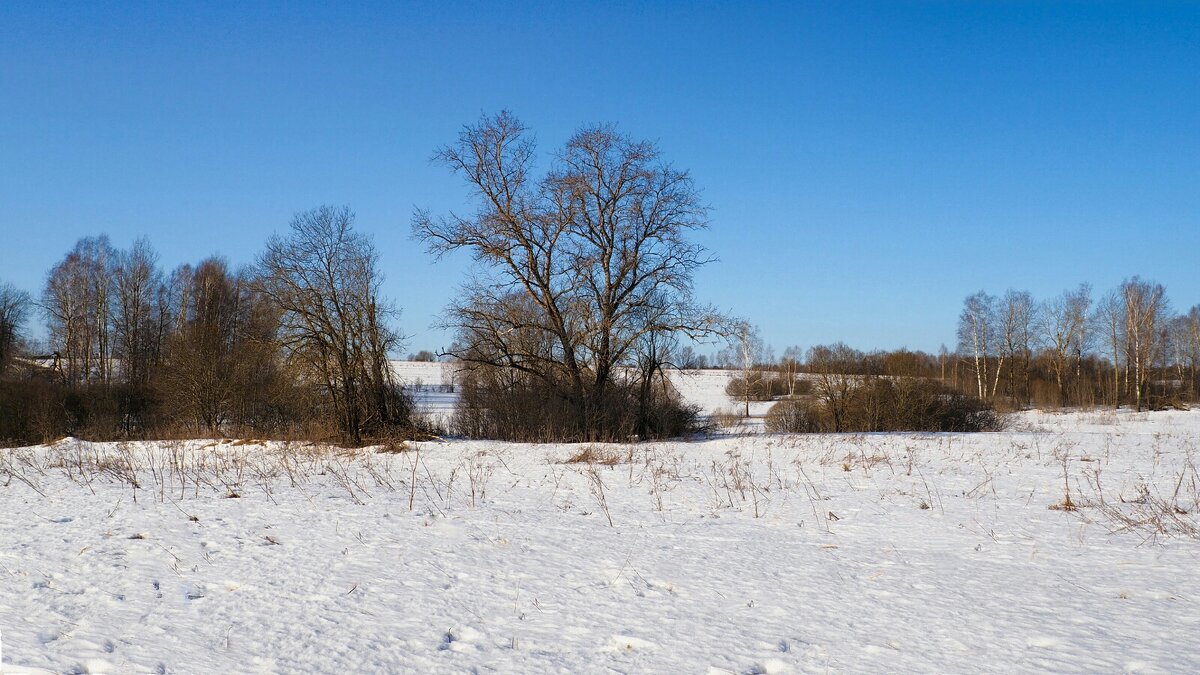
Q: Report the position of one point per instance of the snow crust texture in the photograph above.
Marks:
(741, 554)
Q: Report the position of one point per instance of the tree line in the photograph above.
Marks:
(1126, 347)
(1123, 347)
(295, 344)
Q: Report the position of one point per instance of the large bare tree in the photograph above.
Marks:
(597, 248)
(324, 278)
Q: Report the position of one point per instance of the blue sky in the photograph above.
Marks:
(867, 165)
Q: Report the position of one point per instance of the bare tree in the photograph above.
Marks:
(1146, 311)
(1186, 338)
(793, 358)
(324, 278)
(597, 248)
(1109, 319)
(140, 313)
(687, 358)
(977, 336)
(221, 351)
(748, 354)
(1017, 316)
(1061, 327)
(14, 310)
(836, 368)
(76, 301)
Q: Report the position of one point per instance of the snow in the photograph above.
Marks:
(749, 553)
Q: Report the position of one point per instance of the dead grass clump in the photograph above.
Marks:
(595, 454)
(861, 460)
(1153, 513)
(727, 418)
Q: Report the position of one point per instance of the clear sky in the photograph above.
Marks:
(867, 165)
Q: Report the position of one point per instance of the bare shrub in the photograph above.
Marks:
(727, 418)
(1150, 512)
(499, 403)
(793, 416)
(875, 404)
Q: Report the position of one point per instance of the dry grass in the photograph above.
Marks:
(598, 454)
(727, 418)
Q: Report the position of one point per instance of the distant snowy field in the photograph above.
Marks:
(704, 388)
(740, 554)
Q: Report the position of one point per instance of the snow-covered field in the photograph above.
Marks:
(750, 553)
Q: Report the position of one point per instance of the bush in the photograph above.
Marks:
(32, 412)
(765, 386)
(926, 405)
(501, 404)
(885, 404)
(793, 416)
(728, 418)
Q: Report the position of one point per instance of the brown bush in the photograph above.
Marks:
(793, 416)
(502, 404)
(877, 404)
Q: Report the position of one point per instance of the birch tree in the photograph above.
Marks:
(1109, 318)
(747, 351)
(977, 337)
(1187, 330)
(1017, 315)
(1061, 325)
(1145, 306)
(77, 303)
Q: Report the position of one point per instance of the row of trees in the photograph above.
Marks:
(295, 343)
(1125, 347)
(1128, 347)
